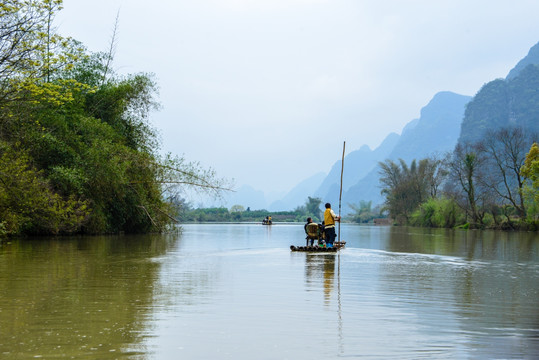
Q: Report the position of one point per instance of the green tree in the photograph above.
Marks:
(362, 213)
(464, 169)
(85, 135)
(237, 208)
(29, 205)
(437, 212)
(405, 187)
(530, 172)
(236, 212)
(312, 205)
(311, 208)
(504, 151)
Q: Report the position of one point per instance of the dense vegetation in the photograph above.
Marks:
(238, 213)
(490, 183)
(490, 179)
(222, 214)
(77, 151)
(362, 213)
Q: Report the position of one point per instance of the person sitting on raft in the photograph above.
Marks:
(312, 230)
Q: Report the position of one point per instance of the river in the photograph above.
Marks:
(236, 291)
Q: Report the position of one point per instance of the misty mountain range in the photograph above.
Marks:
(447, 119)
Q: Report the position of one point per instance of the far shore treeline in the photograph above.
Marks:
(77, 152)
(492, 182)
(239, 213)
(491, 178)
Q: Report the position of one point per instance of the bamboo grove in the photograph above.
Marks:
(77, 151)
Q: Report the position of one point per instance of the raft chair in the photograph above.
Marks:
(313, 233)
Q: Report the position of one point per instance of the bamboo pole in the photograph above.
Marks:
(340, 194)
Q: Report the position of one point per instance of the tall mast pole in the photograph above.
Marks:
(340, 194)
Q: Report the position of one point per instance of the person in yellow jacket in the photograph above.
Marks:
(329, 225)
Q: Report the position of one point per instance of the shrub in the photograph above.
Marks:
(440, 212)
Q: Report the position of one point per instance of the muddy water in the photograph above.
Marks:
(235, 291)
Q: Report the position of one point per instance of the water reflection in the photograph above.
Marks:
(320, 269)
(475, 275)
(486, 245)
(81, 297)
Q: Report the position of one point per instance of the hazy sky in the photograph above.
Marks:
(266, 91)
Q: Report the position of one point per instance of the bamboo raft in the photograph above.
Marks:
(336, 247)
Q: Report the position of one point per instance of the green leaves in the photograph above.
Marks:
(405, 187)
(530, 171)
(78, 151)
(27, 202)
(363, 213)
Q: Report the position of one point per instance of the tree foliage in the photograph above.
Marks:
(464, 169)
(363, 213)
(28, 203)
(504, 151)
(78, 152)
(311, 208)
(493, 182)
(440, 212)
(406, 187)
(236, 214)
(530, 172)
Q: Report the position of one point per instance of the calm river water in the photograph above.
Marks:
(235, 291)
